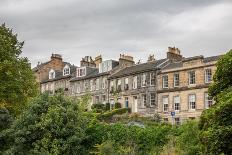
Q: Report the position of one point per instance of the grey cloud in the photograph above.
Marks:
(109, 27)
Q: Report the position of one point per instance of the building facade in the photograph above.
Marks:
(183, 88)
(159, 86)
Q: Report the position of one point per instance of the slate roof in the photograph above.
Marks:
(180, 63)
(139, 68)
(212, 58)
(59, 74)
(39, 66)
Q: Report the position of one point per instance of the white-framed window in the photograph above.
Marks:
(52, 74)
(208, 101)
(103, 97)
(81, 72)
(66, 70)
(176, 78)
(126, 87)
(176, 103)
(165, 81)
(192, 101)
(119, 84)
(208, 75)
(152, 79)
(97, 84)
(152, 99)
(165, 103)
(177, 121)
(144, 100)
(78, 87)
(112, 86)
(135, 82)
(143, 80)
(97, 99)
(104, 82)
(192, 77)
(91, 85)
(86, 85)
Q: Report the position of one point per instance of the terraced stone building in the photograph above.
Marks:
(158, 86)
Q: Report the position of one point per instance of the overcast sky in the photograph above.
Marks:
(75, 28)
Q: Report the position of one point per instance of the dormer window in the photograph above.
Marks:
(81, 72)
(66, 70)
(52, 74)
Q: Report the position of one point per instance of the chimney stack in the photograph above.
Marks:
(98, 60)
(87, 61)
(151, 58)
(125, 61)
(174, 54)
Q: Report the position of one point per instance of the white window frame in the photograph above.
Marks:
(135, 81)
(144, 100)
(119, 83)
(208, 75)
(165, 103)
(126, 83)
(192, 101)
(152, 99)
(97, 84)
(52, 74)
(143, 80)
(152, 79)
(208, 99)
(81, 72)
(175, 79)
(176, 101)
(112, 85)
(66, 70)
(192, 79)
(104, 80)
(164, 82)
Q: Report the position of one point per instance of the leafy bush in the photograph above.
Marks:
(108, 115)
(118, 105)
(51, 125)
(134, 140)
(99, 107)
(188, 141)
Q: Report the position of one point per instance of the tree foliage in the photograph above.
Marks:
(18, 83)
(51, 125)
(215, 123)
(223, 75)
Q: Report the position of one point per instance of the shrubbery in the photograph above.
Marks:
(117, 105)
(99, 107)
(109, 114)
(51, 125)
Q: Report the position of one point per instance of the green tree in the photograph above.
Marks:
(188, 141)
(50, 125)
(18, 83)
(223, 75)
(215, 123)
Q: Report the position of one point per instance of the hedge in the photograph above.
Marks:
(110, 114)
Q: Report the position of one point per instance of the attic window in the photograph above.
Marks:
(66, 70)
(52, 74)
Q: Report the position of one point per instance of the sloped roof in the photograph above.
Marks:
(139, 68)
(59, 74)
(180, 63)
(212, 58)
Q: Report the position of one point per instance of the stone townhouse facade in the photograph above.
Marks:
(54, 74)
(173, 84)
(183, 88)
